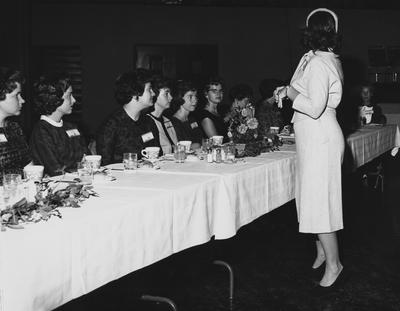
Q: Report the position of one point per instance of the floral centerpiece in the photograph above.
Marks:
(244, 129)
(49, 198)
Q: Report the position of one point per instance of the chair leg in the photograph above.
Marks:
(158, 299)
(231, 280)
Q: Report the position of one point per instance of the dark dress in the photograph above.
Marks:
(121, 134)
(14, 150)
(188, 130)
(268, 115)
(218, 121)
(58, 149)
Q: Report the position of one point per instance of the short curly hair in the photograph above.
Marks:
(8, 81)
(212, 81)
(49, 91)
(240, 91)
(182, 87)
(320, 34)
(159, 82)
(130, 84)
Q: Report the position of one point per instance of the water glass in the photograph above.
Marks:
(206, 143)
(85, 172)
(180, 153)
(11, 185)
(130, 161)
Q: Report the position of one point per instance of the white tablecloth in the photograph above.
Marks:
(137, 220)
(145, 216)
(370, 142)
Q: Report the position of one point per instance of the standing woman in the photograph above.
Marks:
(316, 91)
(55, 144)
(14, 151)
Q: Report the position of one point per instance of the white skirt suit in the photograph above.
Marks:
(319, 142)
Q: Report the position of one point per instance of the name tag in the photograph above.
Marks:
(194, 125)
(168, 124)
(3, 138)
(147, 137)
(73, 133)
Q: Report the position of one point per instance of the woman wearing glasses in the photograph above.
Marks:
(211, 121)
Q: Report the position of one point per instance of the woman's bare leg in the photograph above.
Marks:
(320, 255)
(333, 266)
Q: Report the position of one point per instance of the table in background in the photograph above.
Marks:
(369, 142)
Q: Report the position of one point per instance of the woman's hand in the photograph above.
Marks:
(280, 93)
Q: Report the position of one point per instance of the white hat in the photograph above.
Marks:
(324, 10)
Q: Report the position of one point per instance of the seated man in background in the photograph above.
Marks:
(55, 144)
(370, 111)
(127, 130)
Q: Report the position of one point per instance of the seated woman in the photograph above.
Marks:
(14, 150)
(267, 112)
(240, 96)
(55, 144)
(127, 130)
(369, 109)
(209, 117)
(163, 126)
(184, 104)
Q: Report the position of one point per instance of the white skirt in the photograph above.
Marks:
(320, 148)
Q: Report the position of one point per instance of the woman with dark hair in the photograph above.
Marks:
(55, 144)
(316, 91)
(14, 151)
(267, 112)
(210, 119)
(184, 104)
(163, 126)
(127, 130)
(239, 96)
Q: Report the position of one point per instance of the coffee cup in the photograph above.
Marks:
(151, 153)
(94, 161)
(186, 143)
(34, 172)
(274, 129)
(217, 140)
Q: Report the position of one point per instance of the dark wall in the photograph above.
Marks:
(253, 43)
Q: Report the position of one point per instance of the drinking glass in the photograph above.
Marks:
(180, 153)
(11, 183)
(205, 144)
(130, 161)
(85, 172)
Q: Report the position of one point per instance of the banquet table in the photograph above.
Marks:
(371, 141)
(147, 215)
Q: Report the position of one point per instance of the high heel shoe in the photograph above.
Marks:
(338, 283)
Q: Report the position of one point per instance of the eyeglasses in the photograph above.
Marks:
(215, 91)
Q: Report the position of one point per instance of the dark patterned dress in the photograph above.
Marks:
(57, 148)
(268, 115)
(218, 121)
(14, 150)
(188, 130)
(122, 134)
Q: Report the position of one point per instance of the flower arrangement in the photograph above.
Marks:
(244, 129)
(50, 196)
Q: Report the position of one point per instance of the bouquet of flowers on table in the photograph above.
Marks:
(243, 129)
(49, 197)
